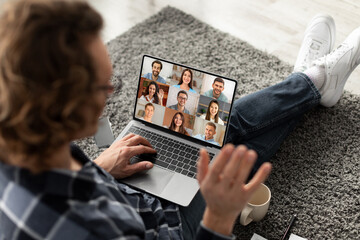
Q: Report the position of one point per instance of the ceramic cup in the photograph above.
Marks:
(257, 207)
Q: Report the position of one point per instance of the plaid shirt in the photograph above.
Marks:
(85, 204)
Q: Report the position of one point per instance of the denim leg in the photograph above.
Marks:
(191, 216)
(262, 120)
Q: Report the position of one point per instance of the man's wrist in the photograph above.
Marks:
(99, 161)
(206, 233)
(219, 224)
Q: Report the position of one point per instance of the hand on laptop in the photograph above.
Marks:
(116, 159)
(223, 185)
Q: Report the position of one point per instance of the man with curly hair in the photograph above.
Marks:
(54, 80)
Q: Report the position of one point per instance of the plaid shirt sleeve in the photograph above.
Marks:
(56, 212)
(85, 204)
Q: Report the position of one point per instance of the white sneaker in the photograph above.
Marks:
(338, 66)
(319, 40)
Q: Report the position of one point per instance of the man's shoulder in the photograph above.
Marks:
(173, 106)
(199, 136)
(223, 98)
(216, 143)
(213, 141)
(161, 79)
(148, 75)
(208, 93)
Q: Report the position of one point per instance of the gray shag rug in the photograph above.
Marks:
(316, 172)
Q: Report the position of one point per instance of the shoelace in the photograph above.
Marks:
(314, 47)
(332, 57)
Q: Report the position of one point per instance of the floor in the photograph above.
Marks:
(274, 26)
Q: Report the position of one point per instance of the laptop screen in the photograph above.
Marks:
(188, 101)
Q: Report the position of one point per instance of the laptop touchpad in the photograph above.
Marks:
(153, 180)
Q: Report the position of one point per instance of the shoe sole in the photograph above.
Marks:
(331, 24)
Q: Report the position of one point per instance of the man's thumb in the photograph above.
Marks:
(141, 166)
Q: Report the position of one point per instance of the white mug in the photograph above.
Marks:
(257, 207)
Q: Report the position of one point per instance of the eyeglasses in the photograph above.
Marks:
(182, 98)
(108, 89)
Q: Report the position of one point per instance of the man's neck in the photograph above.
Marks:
(180, 108)
(216, 96)
(154, 78)
(60, 158)
(147, 119)
(208, 138)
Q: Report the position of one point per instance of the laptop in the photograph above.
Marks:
(183, 110)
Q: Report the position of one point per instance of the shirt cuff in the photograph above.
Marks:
(206, 233)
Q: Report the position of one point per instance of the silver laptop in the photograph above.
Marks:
(180, 110)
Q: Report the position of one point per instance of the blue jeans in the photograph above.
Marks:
(261, 121)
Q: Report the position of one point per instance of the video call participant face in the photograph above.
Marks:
(210, 131)
(152, 90)
(187, 77)
(178, 120)
(218, 87)
(177, 123)
(149, 112)
(156, 68)
(182, 98)
(214, 109)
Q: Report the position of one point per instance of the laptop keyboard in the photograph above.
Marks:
(171, 154)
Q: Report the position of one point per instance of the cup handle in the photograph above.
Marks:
(244, 217)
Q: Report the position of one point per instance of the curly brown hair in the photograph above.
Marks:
(46, 76)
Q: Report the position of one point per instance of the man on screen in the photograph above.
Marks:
(218, 87)
(156, 69)
(210, 131)
(149, 112)
(182, 97)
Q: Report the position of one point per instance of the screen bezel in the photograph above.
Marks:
(190, 138)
